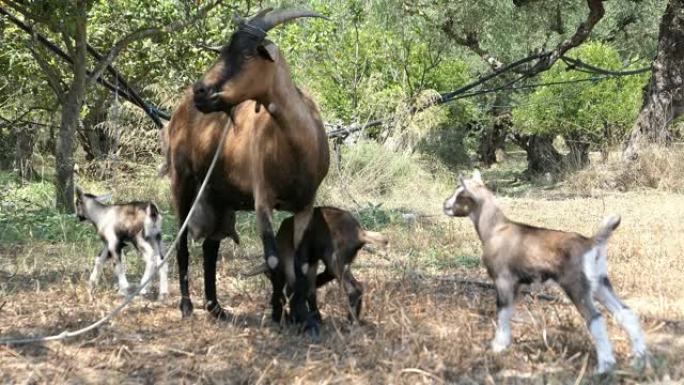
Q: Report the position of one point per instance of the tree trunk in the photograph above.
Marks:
(578, 157)
(664, 94)
(542, 157)
(493, 136)
(23, 150)
(71, 108)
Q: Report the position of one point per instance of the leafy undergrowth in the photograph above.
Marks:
(427, 317)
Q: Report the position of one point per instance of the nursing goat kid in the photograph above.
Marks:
(274, 158)
(515, 254)
(135, 223)
(335, 238)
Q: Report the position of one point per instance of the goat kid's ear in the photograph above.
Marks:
(477, 177)
(268, 51)
(103, 198)
(79, 192)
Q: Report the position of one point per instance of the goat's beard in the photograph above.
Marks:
(81, 218)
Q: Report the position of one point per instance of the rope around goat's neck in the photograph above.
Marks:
(69, 334)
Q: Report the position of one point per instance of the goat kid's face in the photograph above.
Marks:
(247, 66)
(82, 199)
(464, 200)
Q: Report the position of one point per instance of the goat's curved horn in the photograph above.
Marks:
(267, 19)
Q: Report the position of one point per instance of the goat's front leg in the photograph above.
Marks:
(210, 249)
(99, 262)
(506, 289)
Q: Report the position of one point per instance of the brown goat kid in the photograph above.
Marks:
(335, 238)
(515, 254)
(273, 157)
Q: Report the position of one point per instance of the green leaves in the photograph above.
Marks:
(600, 109)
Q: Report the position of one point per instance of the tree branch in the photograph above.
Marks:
(596, 12)
(53, 79)
(143, 34)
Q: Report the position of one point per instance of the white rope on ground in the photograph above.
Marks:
(69, 334)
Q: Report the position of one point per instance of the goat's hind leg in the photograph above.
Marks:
(579, 292)
(210, 249)
(625, 317)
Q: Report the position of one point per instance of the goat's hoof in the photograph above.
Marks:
(641, 362)
(186, 307)
(313, 330)
(218, 313)
(498, 346)
(605, 367)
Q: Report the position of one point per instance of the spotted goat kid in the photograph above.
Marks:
(515, 254)
(135, 223)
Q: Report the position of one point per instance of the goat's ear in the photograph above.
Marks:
(79, 192)
(477, 177)
(463, 183)
(103, 198)
(268, 51)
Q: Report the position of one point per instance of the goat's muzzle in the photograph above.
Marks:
(208, 99)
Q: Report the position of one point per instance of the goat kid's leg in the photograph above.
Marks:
(95, 275)
(626, 318)
(354, 291)
(210, 249)
(300, 310)
(311, 300)
(582, 298)
(163, 270)
(506, 289)
(119, 269)
(147, 252)
(277, 296)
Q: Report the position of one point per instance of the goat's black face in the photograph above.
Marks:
(244, 71)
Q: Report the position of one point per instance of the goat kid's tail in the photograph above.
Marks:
(374, 238)
(608, 225)
(153, 220)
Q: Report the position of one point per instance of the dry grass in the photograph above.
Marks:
(422, 323)
(657, 167)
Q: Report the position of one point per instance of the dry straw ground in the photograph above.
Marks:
(426, 320)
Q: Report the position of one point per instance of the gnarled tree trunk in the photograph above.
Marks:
(493, 136)
(578, 157)
(664, 94)
(542, 157)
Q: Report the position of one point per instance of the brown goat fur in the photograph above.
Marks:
(335, 237)
(516, 254)
(273, 158)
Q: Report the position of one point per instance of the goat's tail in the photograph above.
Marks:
(608, 225)
(374, 238)
(153, 219)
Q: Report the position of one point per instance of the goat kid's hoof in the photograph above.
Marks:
(186, 307)
(604, 367)
(642, 363)
(498, 346)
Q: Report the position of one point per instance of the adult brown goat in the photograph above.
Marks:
(273, 158)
